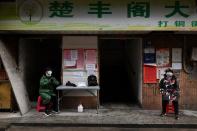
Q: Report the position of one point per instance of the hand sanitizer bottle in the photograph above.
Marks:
(80, 108)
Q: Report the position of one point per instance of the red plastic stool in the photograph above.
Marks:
(39, 106)
(170, 108)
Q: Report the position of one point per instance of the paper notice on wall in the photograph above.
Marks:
(176, 55)
(91, 55)
(67, 55)
(177, 66)
(80, 60)
(74, 54)
(69, 63)
(163, 57)
(149, 55)
(74, 58)
(91, 72)
(90, 67)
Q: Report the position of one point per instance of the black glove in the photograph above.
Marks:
(51, 80)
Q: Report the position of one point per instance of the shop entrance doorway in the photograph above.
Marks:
(35, 55)
(120, 70)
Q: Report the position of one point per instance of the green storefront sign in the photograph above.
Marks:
(98, 15)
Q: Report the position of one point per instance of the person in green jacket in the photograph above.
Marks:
(47, 91)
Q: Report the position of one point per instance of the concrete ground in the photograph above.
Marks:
(107, 119)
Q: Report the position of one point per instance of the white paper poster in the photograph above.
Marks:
(176, 55)
(69, 63)
(91, 56)
(74, 54)
(163, 57)
(90, 67)
(91, 72)
(177, 66)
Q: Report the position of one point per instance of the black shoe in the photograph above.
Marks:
(163, 114)
(55, 112)
(176, 117)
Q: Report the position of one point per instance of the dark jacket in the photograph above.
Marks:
(169, 88)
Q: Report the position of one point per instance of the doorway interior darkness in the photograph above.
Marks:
(35, 55)
(120, 70)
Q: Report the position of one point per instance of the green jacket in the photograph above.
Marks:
(47, 87)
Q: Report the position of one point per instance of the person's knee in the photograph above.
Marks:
(47, 99)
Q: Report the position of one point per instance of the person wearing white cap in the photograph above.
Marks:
(48, 83)
(170, 92)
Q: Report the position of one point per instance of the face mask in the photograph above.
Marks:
(169, 75)
(48, 73)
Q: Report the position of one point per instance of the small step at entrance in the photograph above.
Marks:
(93, 128)
(120, 106)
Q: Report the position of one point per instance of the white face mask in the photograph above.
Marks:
(48, 73)
(169, 75)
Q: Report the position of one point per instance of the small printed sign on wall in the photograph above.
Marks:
(163, 57)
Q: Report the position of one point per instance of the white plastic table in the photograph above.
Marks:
(89, 89)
